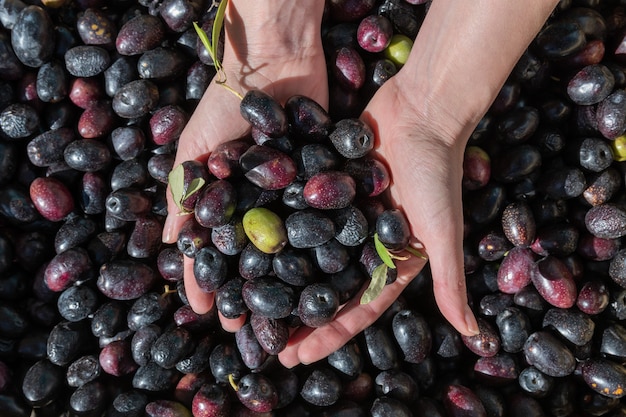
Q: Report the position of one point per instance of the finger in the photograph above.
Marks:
(200, 301)
(174, 220)
(200, 136)
(310, 345)
(445, 250)
(231, 325)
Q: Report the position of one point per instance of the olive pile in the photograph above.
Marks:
(94, 320)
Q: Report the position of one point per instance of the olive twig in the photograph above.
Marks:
(211, 45)
(379, 275)
(233, 383)
(167, 291)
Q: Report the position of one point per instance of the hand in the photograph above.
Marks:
(426, 170)
(422, 118)
(280, 53)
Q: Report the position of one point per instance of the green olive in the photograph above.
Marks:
(399, 49)
(265, 229)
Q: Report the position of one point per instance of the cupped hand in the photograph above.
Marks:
(282, 64)
(425, 162)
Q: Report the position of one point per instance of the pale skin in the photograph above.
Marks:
(422, 118)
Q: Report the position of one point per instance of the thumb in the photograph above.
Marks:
(175, 218)
(208, 126)
(445, 253)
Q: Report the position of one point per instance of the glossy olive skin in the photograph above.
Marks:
(42, 383)
(135, 99)
(318, 304)
(171, 347)
(605, 377)
(501, 368)
(140, 34)
(264, 113)
(543, 228)
(548, 354)
(554, 281)
(518, 223)
(33, 36)
(518, 125)
(87, 155)
(322, 387)
(257, 392)
(560, 39)
(125, 279)
(459, 398)
(412, 333)
(122, 71)
(272, 334)
(591, 85)
(269, 297)
(210, 268)
(486, 343)
(154, 378)
(348, 68)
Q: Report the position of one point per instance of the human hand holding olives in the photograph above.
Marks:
(422, 119)
(421, 125)
(261, 51)
(426, 170)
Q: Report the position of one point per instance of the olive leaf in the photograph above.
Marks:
(217, 30)
(195, 185)
(383, 252)
(416, 252)
(377, 283)
(176, 180)
(204, 38)
(212, 44)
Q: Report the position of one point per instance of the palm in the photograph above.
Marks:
(426, 177)
(217, 119)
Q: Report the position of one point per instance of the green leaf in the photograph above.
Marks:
(383, 252)
(194, 186)
(377, 283)
(176, 180)
(212, 44)
(218, 23)
(416, 252)
(204, 38)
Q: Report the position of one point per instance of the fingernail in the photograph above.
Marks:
(287, 363)
(304, 358)
(470, 322)
(290, 365)
(167, 230)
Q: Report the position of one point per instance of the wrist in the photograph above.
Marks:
(273, 27)
(462, 56)
(440, 115)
